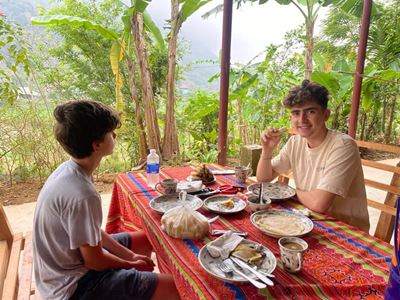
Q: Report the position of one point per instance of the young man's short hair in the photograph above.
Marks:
(80, 123)
(307, 91)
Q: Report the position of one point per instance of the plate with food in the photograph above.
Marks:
(276, 191)
(165, 202)
(279, 223)
(224, 204)
(253, 254)
(202, 173)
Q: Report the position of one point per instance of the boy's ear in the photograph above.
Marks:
(327, 114)
(96, 146)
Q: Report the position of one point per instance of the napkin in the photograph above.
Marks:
(224, 245)
(189, 186)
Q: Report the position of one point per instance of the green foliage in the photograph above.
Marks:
(76, 64)
(198, 123)
(13, 59)
(74, 22)
(28, 149)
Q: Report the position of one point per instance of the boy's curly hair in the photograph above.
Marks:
(307, 91)
(82, 122)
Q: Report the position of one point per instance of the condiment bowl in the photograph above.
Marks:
(255, 205)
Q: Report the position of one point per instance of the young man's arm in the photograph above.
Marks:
(308, 199)
(269, 140)
(265, 173)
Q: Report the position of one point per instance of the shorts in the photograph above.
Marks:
(116, 284)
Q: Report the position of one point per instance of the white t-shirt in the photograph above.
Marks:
(333, 166)
(68, 214)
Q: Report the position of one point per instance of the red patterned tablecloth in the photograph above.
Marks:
(342, 262)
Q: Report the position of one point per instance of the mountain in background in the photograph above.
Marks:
(199, 64)
(21, 11)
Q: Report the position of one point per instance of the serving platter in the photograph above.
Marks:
(276, 191)
(279, 223)
(165, 202)
(210, 264)
(216, 204)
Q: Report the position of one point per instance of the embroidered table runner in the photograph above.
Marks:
(342, 262)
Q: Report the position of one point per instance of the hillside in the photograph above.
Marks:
(198, 62)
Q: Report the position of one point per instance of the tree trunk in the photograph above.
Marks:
(363, 122)
(388, 133)
(170, 142)
(308, 63)
(241, 124)
(153, 131)
(143, 150)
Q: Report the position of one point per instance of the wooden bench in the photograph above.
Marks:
(385, 226)
(16, 268)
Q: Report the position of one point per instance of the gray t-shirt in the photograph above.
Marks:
(68, 215)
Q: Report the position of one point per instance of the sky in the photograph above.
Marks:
(253, 26)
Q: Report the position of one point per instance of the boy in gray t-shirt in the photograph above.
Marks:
(73, 257)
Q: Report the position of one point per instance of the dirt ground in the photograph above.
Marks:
(24, 192)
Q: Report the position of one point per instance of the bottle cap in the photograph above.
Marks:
(152, 150)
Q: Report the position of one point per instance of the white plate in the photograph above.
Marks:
(276, 191)
(278, 223)
(210, 264)
(190, 188)
(214, 204)
(189, 178)
(223, 172)
(165, 202)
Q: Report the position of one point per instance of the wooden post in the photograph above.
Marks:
(362, 48)
(224, 82)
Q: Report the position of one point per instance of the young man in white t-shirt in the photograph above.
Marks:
(73, 257)
(326, 165)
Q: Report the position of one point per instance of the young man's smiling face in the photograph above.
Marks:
(309, 118)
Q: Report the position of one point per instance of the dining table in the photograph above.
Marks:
(342, 262)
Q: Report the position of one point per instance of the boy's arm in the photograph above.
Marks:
(96, 258)
(121, 251)
(115, 248)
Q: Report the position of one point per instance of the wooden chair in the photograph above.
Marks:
(15, 263)
(384, 228)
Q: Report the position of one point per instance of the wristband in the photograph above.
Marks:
(266, 158)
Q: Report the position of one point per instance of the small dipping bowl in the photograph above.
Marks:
(255, 205)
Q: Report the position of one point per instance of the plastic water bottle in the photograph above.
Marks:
(153, 168)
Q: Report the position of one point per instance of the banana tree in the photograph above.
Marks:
(120, 50)
(180, 11)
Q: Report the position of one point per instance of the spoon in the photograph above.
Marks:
(260, 197)
(182, 195)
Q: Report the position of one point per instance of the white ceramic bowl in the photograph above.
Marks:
(255, 205)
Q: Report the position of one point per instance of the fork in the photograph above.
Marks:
(226, 269)
(229, 265)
